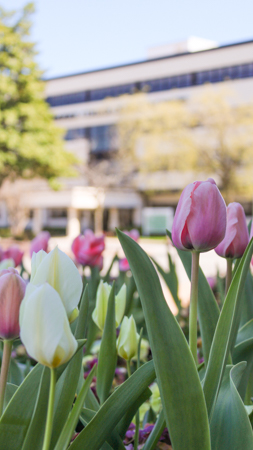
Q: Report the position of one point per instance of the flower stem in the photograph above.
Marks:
(50, 410)
(4, 371)
(229, 273)
(193, 306)
(137, 415)
(128, 368)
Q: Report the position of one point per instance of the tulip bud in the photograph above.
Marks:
(44, 327)
(57, 269)
(99, 313)
(88, 249)
(200, 219)
(12, 291)
(237, 235)
(124, 265)
(127, 343)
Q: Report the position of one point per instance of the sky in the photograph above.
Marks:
(78, 35)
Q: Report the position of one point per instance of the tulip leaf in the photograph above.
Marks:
(65, 392)
(35, 434)
(243, 351)
(170, 279)
(247, 308)
(208, 310)
(156, 433)
(106, 278)
(224, 333)
(15, 374)
(188, 425)
(131, 288)
(16, 418)
(105, 420)
(9, 392)
(230, 425)
(69, 427)
(83, 314)
(107, 358)
(124, 423)
(91, 401)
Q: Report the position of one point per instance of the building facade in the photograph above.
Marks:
(78, 104)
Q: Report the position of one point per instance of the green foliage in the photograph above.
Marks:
(30, 144)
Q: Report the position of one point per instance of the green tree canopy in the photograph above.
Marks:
(30, 143)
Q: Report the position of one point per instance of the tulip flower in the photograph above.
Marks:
(200, 218)
(14, 253)
(134, 234)
(40, 242)
(12, 291)
(99, 313)
(199, 225)
(88, 249)
(7, 263)
(44, 326)
(123, 265)
(57, 269)
(236, 238)
(127, 343)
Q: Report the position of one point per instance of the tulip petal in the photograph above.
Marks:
(60, 272)
(120, 304)
(209, 206)
(37, 258)
(182, 212)
(45, 329)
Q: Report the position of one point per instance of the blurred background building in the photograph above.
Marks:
(171, 72)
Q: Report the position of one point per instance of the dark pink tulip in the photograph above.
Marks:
(12, 291)
(14, 253)
(124, 265)
(40, 242)
(237, 235)
(200, 219)
(88, 249)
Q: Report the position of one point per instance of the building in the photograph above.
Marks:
(77, 102)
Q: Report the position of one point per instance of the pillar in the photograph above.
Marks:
(37, 224)
(98, 220)
(113, 219)
(73, 223)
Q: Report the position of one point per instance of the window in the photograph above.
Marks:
(75, 133)
(103, 138)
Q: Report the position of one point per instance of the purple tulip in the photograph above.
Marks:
(237, 235)
(200, 218)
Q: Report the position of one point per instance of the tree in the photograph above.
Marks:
(30, 144)
(211, 134)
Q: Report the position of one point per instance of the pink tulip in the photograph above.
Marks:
(88, 249)
(237, 235)
(200, 218)
(124, 265)
(40, 242)
(12, 291)
(14, 253)
(212, 282)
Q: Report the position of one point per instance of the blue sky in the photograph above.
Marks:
(78, 35)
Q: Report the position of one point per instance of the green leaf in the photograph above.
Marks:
(224, 333)
(107, 358)
(243, 351)
(156, 433)
(106, 278)
(170, 279)
(15, 421)
(124, 423)
(230, 425)
(66, 386)
(208, 311)
(15, 373)
(188, 425)
(9, 392)
(35, 434)
(101, 426)
(247, 307)
(69, 427)
(131, 288)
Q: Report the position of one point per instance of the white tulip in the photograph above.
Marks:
(44, 326)
(127, 343)
(100, 311)
(57, 269)
(7, 263)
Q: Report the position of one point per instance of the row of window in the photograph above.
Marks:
(161, 84)
(102, 138)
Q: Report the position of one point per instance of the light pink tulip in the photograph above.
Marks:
(134, 234)
(212, 281)
(40, 242)
(88, 249)
(14, 253)
(12, 291)
(237, 235)
(200, 218)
